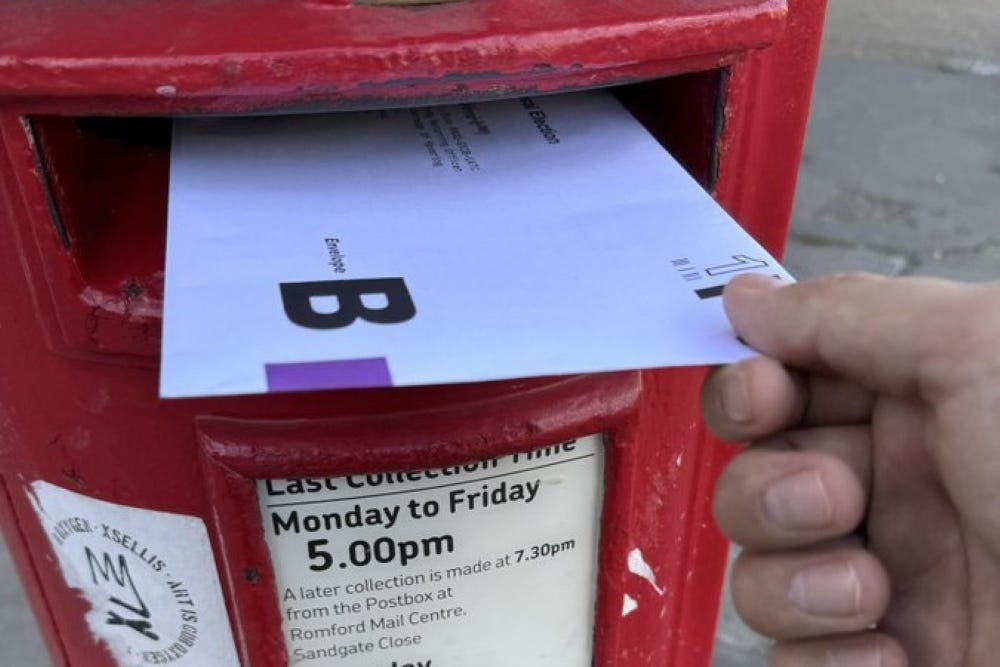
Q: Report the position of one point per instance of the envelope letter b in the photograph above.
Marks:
(297, 301)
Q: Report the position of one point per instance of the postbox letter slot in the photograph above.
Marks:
(107, 181)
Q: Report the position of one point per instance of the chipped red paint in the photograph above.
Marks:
(233, 55)
(82, 221)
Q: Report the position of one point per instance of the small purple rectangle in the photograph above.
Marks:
(343, 374)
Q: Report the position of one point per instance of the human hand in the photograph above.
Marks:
(868, 503)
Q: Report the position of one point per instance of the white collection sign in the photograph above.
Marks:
(535, 236)
(149, 577)
(492, 564)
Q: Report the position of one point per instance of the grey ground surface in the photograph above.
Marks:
(20, 644)
(901, 175)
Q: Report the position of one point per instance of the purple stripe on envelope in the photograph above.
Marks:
(342, 374)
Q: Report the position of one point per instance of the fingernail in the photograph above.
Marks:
(798, 501)
(734, 397)
(854, 656)
(827, 589)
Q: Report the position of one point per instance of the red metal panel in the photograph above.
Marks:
(234, 55)
(760, 145)
(40, 605)
(97, 221)
(92, 290)
(237, 452)
(765, 126)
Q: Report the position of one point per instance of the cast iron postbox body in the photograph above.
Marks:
(86, 95)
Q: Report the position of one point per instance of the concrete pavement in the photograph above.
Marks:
(961, 35)
(20, 643)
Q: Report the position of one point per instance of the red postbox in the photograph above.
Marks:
(143, 528)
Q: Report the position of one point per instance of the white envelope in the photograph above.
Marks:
(527, 237)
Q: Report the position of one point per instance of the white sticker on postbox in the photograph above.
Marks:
(149, 577)
(492, 563)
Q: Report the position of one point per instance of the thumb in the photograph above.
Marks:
(904, 336)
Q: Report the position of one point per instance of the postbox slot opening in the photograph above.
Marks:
(685, 114)
(107, 181)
